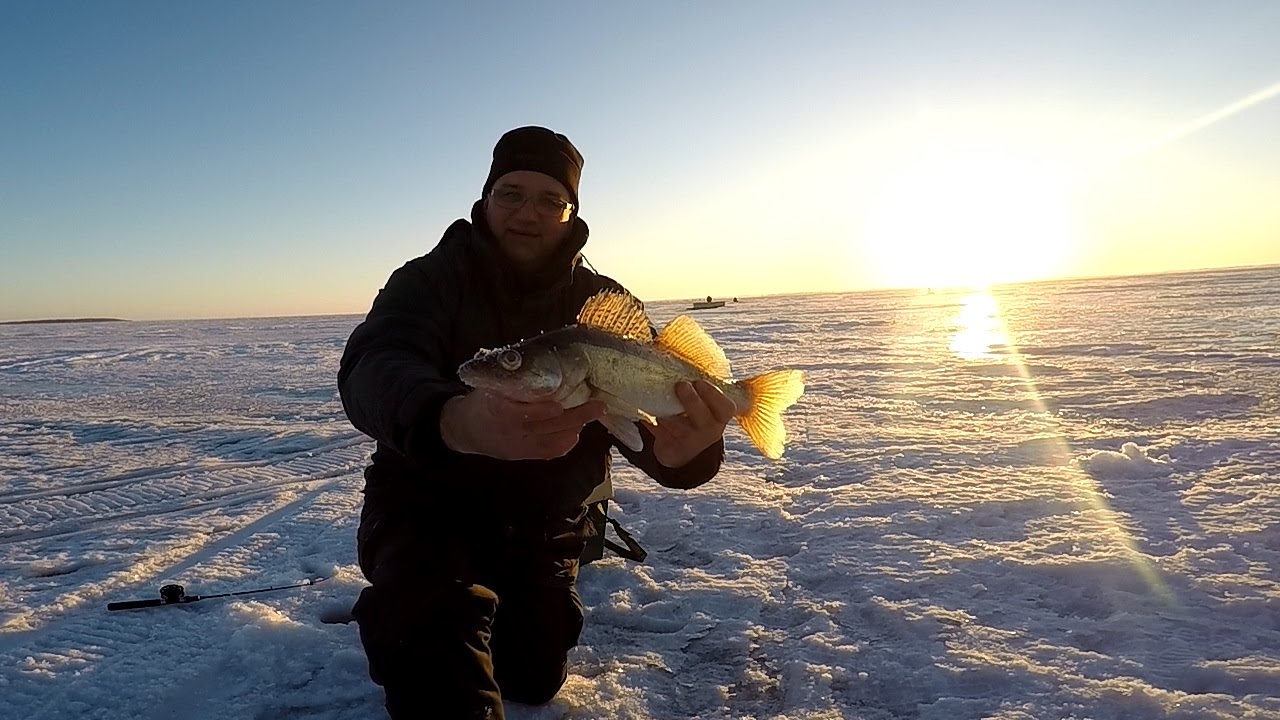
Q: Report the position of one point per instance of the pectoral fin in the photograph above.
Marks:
(626, 431)
(620, 419)
(576, 396)
(621, 408)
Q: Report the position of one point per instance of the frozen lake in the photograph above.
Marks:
(1051, 501)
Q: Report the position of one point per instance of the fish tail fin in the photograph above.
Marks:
(770, 394)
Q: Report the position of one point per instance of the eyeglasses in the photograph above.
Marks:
(544, 205)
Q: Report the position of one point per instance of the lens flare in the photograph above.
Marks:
(981, 332)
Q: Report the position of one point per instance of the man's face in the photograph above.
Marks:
(529, 234)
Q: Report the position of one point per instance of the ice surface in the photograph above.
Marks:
(1053, 501)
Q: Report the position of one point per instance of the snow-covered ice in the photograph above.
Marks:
(1050, 501)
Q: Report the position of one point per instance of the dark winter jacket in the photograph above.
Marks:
(400, 367)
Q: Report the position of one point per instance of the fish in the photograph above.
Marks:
(610, 354)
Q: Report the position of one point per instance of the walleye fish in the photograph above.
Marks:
(610, 355)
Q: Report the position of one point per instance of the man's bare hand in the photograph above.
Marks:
(483, 423)
(680, 438)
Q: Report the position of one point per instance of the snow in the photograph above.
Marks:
(1132, 462)
(1052, 501)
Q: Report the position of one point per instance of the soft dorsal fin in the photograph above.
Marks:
(616, 313)
(685, 338)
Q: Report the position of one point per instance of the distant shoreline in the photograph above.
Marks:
(61, 320)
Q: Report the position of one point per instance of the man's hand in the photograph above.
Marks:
(680, 438)
(482, 423)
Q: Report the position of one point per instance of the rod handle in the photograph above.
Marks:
(132, 604)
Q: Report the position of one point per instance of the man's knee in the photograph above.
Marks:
(534, 631)
(413, 630)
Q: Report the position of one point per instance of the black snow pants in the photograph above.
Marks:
(465, 609)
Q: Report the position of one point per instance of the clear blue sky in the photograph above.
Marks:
(162, 160)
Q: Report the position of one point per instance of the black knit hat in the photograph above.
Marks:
(540, 150)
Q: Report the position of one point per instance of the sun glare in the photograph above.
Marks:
(968, 220)
(979, 329)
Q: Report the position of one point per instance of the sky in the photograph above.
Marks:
(163, 160)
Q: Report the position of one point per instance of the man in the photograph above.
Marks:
(474, 514)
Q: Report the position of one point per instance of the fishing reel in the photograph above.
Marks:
(170, 594)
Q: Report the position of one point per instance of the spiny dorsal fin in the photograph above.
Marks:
(685, 338)
(616, 313)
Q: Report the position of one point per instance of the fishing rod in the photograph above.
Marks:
(176, 595)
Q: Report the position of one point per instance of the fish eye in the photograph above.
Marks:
(509, 360)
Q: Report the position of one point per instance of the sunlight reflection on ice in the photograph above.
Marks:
(979, 327)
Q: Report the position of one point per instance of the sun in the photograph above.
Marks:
(968, 220)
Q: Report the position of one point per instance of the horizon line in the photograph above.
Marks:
(896, 289)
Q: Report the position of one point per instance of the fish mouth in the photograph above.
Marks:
(511, 391)
(474, 376)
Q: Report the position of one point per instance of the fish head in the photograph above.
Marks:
(525, 372)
